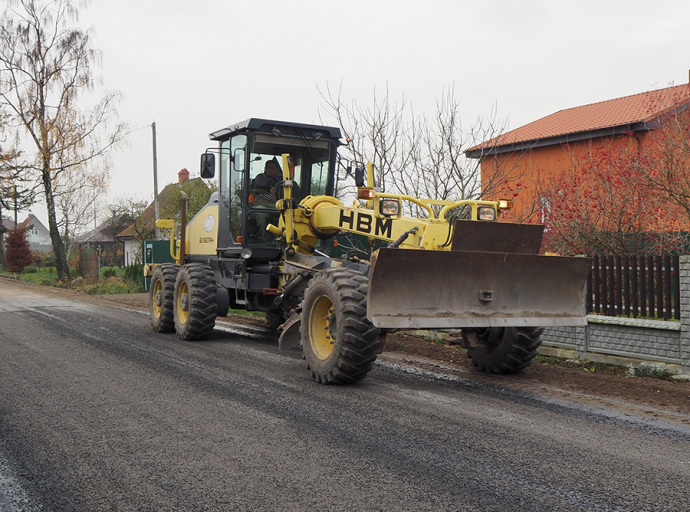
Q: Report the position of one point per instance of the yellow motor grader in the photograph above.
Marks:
(263, 243)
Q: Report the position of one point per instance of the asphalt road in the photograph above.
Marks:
(97, 412)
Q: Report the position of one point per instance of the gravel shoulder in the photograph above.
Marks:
(660, 399)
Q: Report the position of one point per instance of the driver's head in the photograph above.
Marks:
(272, 168)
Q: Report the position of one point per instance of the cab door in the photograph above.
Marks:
(233, 166)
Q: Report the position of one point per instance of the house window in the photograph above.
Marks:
(34, 232)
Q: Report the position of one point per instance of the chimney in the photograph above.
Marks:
(183, 175)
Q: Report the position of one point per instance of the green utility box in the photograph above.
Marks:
(154, 251)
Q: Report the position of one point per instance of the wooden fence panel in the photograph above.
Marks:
(632, 286)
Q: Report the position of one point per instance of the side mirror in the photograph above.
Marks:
(208, 165)
(238, 160)
(359, 177)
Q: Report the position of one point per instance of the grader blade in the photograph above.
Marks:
(411, 289)
(497, 237)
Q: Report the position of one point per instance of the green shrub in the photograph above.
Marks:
(30, 270)
(108, 272)
(134, 273)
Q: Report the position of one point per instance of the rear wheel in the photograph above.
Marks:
(339, 342)
(161, 298)
(502, 349)
(195, 302)
(275, 318)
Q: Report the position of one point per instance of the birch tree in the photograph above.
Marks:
(46, 79)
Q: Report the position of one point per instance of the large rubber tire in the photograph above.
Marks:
(503, 350)
(339, 342)
(195, 302)
(275, 318)
(161, 297)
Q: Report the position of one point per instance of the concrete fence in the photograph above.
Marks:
(663, 341)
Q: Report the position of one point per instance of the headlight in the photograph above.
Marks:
(486, 213)
(390, 207)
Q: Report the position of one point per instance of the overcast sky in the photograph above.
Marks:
(196, 67)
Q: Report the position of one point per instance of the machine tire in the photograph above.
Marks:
(504, 350)
(195, 314)
(336, 302)
(161, 297)
(275, 318)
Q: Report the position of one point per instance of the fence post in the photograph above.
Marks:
(618, 289)
(597, 286)
(684, 271)
(668, 308)
(676, 288)
(611, 285)
(635, 288)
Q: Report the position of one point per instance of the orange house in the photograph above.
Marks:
(526, 158)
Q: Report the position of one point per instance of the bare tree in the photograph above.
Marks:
(76, 195)
(379, 134)
(45, 71)
(130, 211)
(417, 156)
(663, 157)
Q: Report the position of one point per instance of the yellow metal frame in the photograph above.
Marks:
(169, 224)
(325, 216)
(432, 232)
(287, 195)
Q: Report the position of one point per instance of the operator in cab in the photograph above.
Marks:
(263, 186)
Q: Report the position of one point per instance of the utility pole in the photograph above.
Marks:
(155, 181)
(2, 238)
(14, 196)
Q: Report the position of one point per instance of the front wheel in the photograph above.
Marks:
(339, 342)
(195, 302)
(502, 349)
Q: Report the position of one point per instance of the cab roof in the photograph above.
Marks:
(253, 125)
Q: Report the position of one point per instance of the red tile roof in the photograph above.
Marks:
(629, 110)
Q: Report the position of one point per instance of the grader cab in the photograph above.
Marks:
(263, 242)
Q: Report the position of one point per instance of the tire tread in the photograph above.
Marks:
(201, 286)
(167, 273)
(358, 345)
(515, 352)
